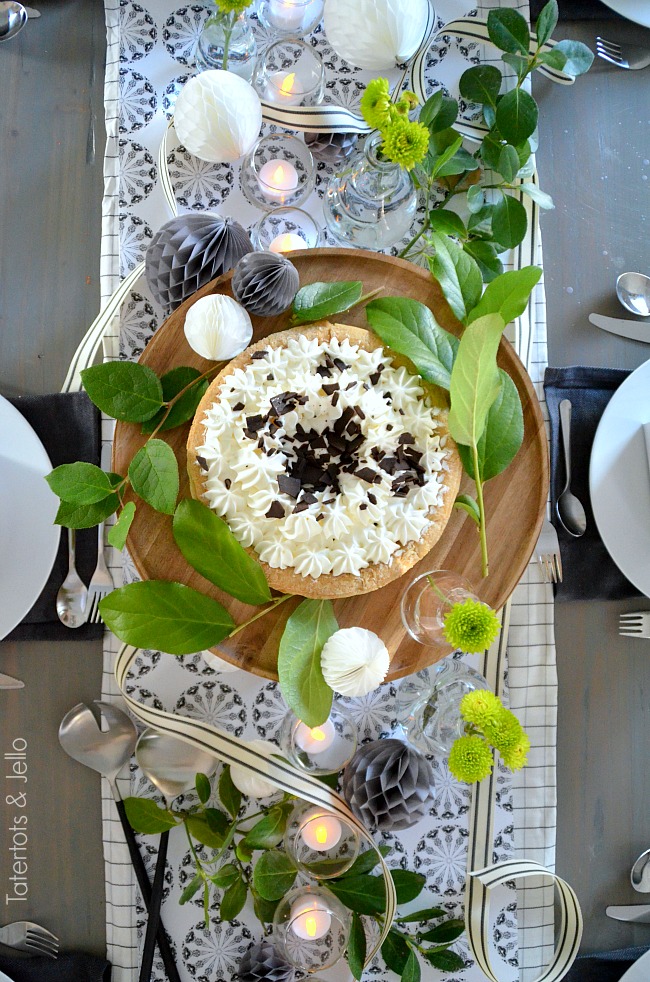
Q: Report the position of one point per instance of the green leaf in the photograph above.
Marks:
(431, 108)
(213, 551)
(165, 616)
(233, 900)
(520, 63)
(191, 889)
(524, 154)
(273, 875)
(421, 915)
(407, 326)
(225, 876)
(481, 84)
(146, 817)
(304, 689)
(475, 379)
(439, 112)
(229, 794)
(80, 483)
(118, 533)
(153, 473)
(203, 788)
(264, 909)
(408, 885)
(395, 951)
(366, 862)
(475, 199)
(198, 827)
(269, 831)
(503, 434)
(356, 947)
(124, 390)
(540, 197)
(509, 222)
(243, 853)
(508, 30)
(217, 820)
(464, 502)
(546, 22)
(438, 167)
(458, 275)
(490, 149)
(508, 163)
(508, 294)
(86, 516)
(516, 115)
(446, 932)
(446, 222)
(481, 223)
(553, 58)
(172, 383)
(319, 300)
(411, 971)
(363, 894)
(446, 961)
(579, 58)
(485, 254)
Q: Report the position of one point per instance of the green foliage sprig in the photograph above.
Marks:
(239, 855)
(488, 725)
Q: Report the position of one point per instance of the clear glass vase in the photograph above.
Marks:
(371, 204)
(425, 602)
(227, 42)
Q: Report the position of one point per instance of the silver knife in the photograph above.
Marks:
(634, 330)
(6, 682)
(636, 913)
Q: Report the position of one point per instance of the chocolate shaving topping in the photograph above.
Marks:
(202, 462)
(227, 483)
(258, 355)
(238, 407)
(350, 386)
(374, 378)
(301, 506)
(254, 423)
(335, 399)
(289, 485)
(324, 372)
(309, 498)
(406, 438)
(363, 506)
(340, 364)
(366, 474)
(372, 498)
(330, 389)
(276, 510)
(270, 377)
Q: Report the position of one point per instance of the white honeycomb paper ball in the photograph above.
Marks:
(354, 661)
(375, 34)
(217, 327)
(218, 116)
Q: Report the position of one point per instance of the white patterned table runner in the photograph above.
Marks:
(149, 58)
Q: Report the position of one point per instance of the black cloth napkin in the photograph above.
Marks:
(589, 573)
(68, 425)
(71, 967)
(577, 10)
(603, 966)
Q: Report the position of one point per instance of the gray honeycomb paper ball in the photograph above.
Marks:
(189, 251)
(331, 148)
(262, 963)
(265, 283)
(388, 785)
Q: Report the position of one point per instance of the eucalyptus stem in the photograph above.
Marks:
(485, 568)
(274, 603)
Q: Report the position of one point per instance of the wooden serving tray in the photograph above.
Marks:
(515, 500)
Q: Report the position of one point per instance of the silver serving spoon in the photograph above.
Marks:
(640, 875)
(13, 18)
(569, 509)
(72, 597)
(633, 290)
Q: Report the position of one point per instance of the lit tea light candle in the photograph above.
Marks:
(321, 832)
(310, 919)
(287, 242)
(287, 16)
(284, 87)
(317, 739)
(278, 179)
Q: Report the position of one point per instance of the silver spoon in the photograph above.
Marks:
(633, 290)
(640, 875)
(171, 765)
(13, 18)
(107, 751)
(569, 509)
(73, 593)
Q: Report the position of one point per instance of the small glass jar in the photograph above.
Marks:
(285, 229)
(319, 842)
(371, 203)
(290, 73)
(290, 18)
(279, 170)
(311, 928)
(428, 705)
(227, 42)
(425, 602)
(324, 749)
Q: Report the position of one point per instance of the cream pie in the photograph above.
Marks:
(328, 457)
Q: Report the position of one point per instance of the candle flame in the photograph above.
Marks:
(321, 833)
(317, 733)
(278, 175)
(310, 926)
(287, 85)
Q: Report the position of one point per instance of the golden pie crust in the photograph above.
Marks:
(329, 586)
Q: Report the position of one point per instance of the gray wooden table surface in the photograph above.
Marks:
(595, 161)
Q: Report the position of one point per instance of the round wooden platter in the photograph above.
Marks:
(515, 500)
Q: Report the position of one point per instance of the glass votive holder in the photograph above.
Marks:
(319, 842)
(311, 928)
(290, 18)
(290, 73)
(427, 599)
(285, 229)
(324, 749)
(279, 170)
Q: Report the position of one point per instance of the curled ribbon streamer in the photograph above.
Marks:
(232, 750)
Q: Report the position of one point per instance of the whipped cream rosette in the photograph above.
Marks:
(329, 458)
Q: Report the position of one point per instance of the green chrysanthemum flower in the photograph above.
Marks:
(480, 707)
(405, 143)
(471, 625)
(407, 102)
(517, 756)
(232, 6)
(376, 107)
(504, 732)
(470, 759)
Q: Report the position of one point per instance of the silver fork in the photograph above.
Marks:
(548, 554)
(30, 937)
(630, 56)
(101, 583)
(636, 624)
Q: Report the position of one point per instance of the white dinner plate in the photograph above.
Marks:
(28, 538)
(636, 10)
(619, 479)
(639, 971)
(5, 978)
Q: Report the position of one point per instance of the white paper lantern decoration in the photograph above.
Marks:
(375, 34)
(217, 327)
(354, 661)
(218, 116)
